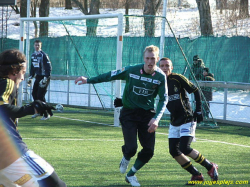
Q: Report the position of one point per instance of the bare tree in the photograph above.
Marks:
(93, 8)
(150, 9)
(33, 14)
(44, 12)
(127, 6)
(68, 4)
(15, 8)
(221, 5)
(244, 13)
(205, 17)
(23, 8)
(179, 3)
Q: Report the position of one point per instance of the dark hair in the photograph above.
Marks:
(196, 57)
(164, 58)
(11, 61)
(206, 70)
(37, 41)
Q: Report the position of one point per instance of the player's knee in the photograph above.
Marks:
(145, 155)
(185, 149)
(132, 152)
(52, 181)
(174, 152)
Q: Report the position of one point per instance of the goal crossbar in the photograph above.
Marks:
(84, 17)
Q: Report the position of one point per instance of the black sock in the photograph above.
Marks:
(190, 168)
(203, 161)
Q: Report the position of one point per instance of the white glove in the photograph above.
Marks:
(29, 81)
(43, 82)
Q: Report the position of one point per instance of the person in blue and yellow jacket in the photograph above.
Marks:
(19, 166)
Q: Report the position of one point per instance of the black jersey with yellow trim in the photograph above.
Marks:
(9, 111)
(8, 100)
(178, 101)
(8, 93)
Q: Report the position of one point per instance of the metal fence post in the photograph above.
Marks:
(68, 93)
(225, 104)
(89, 95)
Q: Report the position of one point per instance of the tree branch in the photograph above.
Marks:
(84, 10)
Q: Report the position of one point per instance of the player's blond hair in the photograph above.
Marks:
(152, 48)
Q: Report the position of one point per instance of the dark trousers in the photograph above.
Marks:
(135, 121)
(39, 93)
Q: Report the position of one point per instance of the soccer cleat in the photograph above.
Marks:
(35, 115)
(132, 180)
(124, 165)
(45, 118)
(195, 178)
(213, 172)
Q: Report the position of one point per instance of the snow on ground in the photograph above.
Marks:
(184, 22)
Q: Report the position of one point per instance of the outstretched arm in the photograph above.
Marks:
(81, 80)
(34, 107)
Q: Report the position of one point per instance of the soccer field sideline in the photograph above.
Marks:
(68, 139)
(83, 139)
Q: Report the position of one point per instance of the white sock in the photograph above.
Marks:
(133, 169)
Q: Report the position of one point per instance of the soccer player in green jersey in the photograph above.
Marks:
(138, 117)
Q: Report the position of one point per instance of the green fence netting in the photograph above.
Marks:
(227, 58)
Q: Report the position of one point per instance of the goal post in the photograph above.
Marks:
(119, 47)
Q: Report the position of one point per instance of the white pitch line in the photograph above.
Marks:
(156, 132)
(71, 139)
(83, 121)
(215, 141)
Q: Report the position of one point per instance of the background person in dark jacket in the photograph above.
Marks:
(197, 68)
(207, 91)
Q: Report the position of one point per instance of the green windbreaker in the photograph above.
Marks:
(141, 88)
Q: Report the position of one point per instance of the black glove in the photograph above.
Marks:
(118, 102)
(198, 116)
(42, 107)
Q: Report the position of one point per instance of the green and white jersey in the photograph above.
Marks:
(141, 88)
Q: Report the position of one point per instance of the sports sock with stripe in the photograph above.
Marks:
(137, 165)
(190, 168)
(203, 161)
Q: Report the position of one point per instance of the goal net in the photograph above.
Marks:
(92, 45)
(77, 46)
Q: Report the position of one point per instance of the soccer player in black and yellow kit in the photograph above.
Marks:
(19, 166)
(183, 123)
(138, 117)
